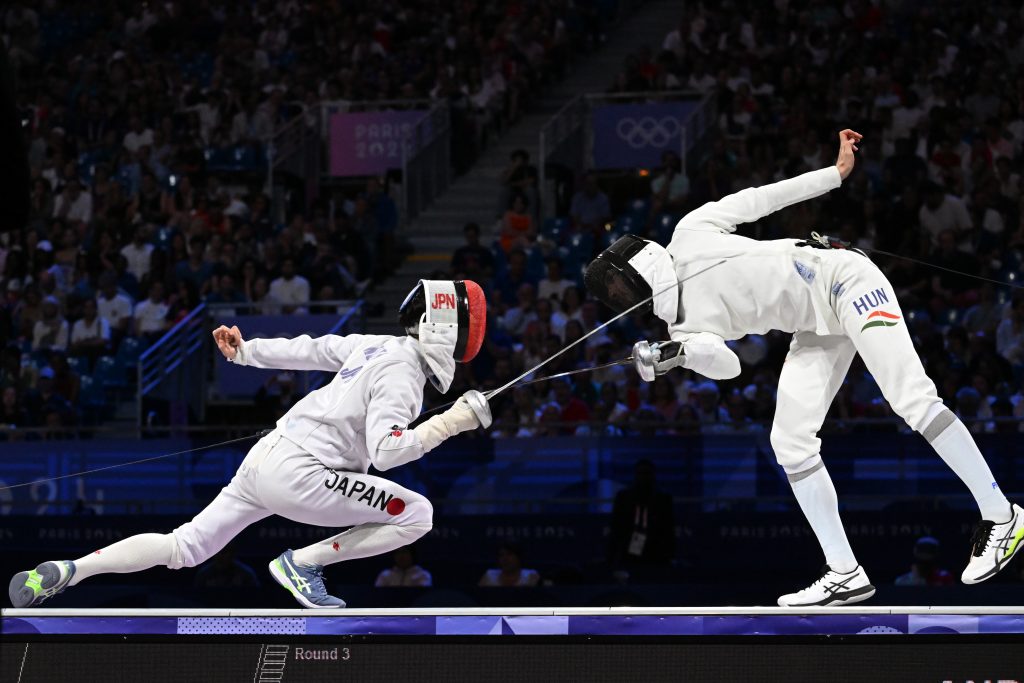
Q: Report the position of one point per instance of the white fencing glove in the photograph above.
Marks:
(654, 360)
(469, 412)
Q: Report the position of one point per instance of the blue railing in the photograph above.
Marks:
(171, 369)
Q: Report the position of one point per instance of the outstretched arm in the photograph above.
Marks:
(301, 353)
(755, 203)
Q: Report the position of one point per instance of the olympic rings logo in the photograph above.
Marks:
(647, 131)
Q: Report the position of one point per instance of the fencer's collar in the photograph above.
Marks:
(654, 265)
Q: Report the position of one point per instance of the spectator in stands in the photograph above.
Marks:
(948, 287)
(588, 321)
(670, 188)
(182, 302)
(73, 204)
(138, 136)
(51, 330)
(925, 570)
(571, 304)
(1010, 334)
(985, 315)
(709, 411)
(471, 260)
(642, 523)
(518, 178)
(12, 414)
(618, 412)
(404, 572)
(941, 212)
(518, 229)
(510, 571)
(573, 412)
(290, 289)
(518, 317)
(1003, 416)
(590, 209)
(151, 314)
(226, 293)
(973, 411)
(45, 406)
(688, 421)
(90, 335)
(553, 286)
(138, 254)
(258, 293)
(196, 269)
(10, 368)
(546, 422)
(550, 319)
(145, 205)
(507, 284)
(663, 401)
(66, 381)
(113, 306)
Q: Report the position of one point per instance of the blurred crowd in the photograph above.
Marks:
(937, 91)
(128, 110)
(131, 228)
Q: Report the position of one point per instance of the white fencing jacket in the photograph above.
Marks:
(361, 417)
(762, 286)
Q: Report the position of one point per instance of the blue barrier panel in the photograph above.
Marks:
(479, 475)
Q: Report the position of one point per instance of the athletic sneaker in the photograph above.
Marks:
(43, 582)
(993, 545)
(831, 589)
(306, 584)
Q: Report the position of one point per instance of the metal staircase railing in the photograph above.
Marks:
(172, 369)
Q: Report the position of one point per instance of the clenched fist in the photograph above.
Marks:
(228, 340)
(848, 140)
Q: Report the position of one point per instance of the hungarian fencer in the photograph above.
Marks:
(836, 303)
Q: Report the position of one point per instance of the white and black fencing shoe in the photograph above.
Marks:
(994, 545)
(831, 589)
(31, 588)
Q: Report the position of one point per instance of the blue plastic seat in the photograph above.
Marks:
(609, 238)
(90, 393)
(108, 375)
(79, 365)
(554, 228)
(128, 353)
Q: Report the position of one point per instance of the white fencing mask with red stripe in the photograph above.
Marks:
(449, 318)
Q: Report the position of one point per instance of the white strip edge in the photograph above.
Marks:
(510, 612)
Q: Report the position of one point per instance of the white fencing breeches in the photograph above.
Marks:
(279, 478)
(874, 326)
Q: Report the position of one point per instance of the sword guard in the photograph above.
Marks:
(480, 407)
(643, 360)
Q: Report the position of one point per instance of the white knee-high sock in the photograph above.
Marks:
(132, 554)
(956, 447)
(817, 497)
(365, 540)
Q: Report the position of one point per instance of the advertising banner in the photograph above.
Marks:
(635, 135)
(369, 143)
